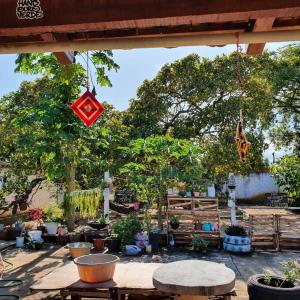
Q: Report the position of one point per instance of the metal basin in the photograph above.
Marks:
(79, 249)
(96, 267)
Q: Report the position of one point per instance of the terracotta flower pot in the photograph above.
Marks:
(23, 206)
(99, 244)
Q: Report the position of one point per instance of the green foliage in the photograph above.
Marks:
(199, 244)
(174, 220)
(235, 230)
(153, 164)
(147, 221)
(284, 76)
(199, 98)
(39, 132)
(52, 213)
(103, 220)
(87, 201)
(291, 270)
(287, 174)
(127, 227)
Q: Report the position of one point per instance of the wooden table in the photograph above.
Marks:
(194, 279)
(129, 278)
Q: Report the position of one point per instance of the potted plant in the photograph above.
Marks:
(268, 286)
(199, 244)
(236, 239)
(153, 233)
(53, 214)
(99, 223)
(126, 228)
(174, 222)
(19, 224)
(23, 205)
(36, 215)
(181, 187)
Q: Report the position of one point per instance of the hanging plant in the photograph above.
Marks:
(87, 201)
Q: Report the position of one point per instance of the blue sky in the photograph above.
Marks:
(135, 66)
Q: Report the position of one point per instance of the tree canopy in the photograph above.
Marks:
(190, 109)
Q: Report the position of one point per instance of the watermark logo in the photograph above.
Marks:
(29, 9)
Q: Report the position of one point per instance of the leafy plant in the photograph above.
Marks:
(127, 227)
(87, 201)
(53, 213)
(174, 220)
(290, 270)
(287, 174)
(102, 220)
(35, 214)
(147, 221)
(235, 230)
(199, 243)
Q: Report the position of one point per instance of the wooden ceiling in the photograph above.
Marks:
(109, 24)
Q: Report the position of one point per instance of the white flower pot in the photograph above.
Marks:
(52, 228)
(35, 235)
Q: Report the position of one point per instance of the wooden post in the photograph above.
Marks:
(278, 232)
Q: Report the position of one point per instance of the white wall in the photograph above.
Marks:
(253, 185)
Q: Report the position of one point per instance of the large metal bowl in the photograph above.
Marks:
(79, 249)
(95, 268)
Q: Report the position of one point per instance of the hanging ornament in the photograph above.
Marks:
(87, 107)
(241, 142)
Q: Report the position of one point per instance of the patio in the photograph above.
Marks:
(30, 266)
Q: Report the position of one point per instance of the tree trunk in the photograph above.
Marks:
(70, 187)
(160, 206)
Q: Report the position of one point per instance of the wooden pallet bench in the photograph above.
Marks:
(192, 211)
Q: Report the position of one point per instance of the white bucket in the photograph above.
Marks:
(52, 228)
(35, 235)
(20, 241)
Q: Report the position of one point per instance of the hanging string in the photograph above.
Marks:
(87, 71)
(238, 62)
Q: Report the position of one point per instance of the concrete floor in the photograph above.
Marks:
(30, 266)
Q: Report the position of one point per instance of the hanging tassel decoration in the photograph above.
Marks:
(241, 142)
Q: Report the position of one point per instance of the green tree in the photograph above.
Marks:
(285, 78)
(40, 132)
(287, 174)
(149, 166)
(199, 98)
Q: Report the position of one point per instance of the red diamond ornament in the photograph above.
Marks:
(87, 108)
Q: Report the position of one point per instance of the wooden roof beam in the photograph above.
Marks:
(151, 42)
(90, 15)
(65, 58)
(263, 24)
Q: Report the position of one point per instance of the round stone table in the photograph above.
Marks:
(194, 279)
